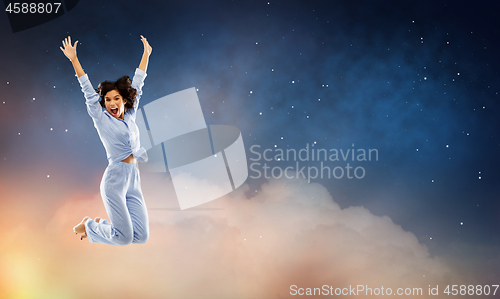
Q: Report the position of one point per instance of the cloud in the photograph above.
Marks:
(239, 246)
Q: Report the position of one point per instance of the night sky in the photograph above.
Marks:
(416, 80)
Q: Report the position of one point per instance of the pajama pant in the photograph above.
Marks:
(124, 203)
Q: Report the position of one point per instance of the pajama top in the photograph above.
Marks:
(119, 137)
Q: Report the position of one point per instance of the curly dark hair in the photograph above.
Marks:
(124, 87)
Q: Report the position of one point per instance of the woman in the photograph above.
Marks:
(120, 185)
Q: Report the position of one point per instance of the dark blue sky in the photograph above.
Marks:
(417, 80)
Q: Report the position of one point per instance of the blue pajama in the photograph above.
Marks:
(121, 184)
(124, 203)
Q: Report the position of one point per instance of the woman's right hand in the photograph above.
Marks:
(69, 51)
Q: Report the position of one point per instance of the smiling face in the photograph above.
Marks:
(115, 104)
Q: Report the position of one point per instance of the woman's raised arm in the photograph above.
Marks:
(143, 66)
(70, 52)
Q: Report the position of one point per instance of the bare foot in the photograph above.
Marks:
(80, 228)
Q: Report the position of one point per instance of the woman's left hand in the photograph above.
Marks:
(147, 48)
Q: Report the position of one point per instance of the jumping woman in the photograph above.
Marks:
(112, 107)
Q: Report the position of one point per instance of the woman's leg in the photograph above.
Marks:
(137, 208)
(114, 186)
